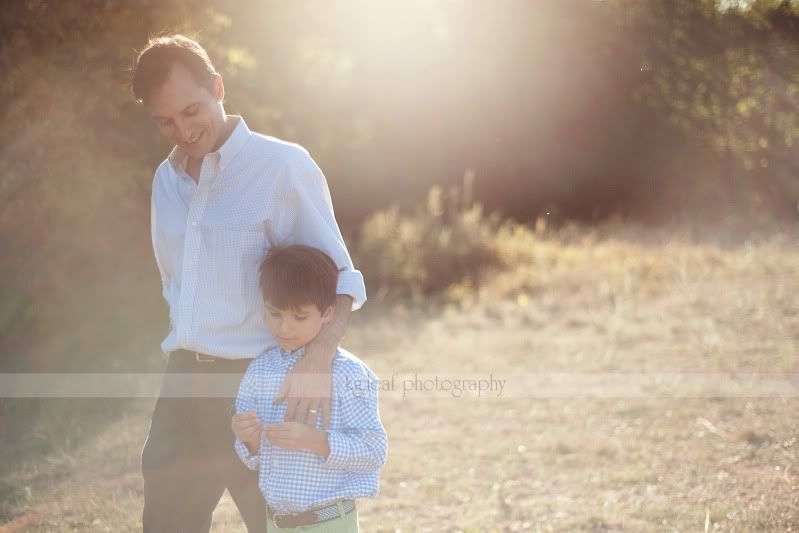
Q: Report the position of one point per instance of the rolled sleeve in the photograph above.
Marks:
(251, 461)
(340, 454)
(350, 282)
(359, 451)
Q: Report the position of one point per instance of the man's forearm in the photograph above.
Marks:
(331, 334)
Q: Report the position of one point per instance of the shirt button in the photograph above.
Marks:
(194, 224)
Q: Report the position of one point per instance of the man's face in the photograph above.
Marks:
(188, 114)
(294, 328)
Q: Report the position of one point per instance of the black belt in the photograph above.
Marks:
(311, 517)
(203, 358)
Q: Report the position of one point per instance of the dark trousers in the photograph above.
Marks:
(189, 460)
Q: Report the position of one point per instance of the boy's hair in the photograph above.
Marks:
(295, 275)
(156, 59)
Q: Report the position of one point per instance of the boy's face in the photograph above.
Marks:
(294, 328)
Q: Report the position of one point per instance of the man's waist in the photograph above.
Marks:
(193, 362)
(201, 357)
(238, 343)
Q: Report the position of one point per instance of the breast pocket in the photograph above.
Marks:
(237, 255)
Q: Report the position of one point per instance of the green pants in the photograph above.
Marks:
(348, 523)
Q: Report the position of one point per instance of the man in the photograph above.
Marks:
(219, 201)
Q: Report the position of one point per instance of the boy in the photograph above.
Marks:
(309, 477)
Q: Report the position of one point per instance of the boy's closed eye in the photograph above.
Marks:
(277, 313)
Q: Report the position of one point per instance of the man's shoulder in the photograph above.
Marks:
(261, 145)
(163, 170)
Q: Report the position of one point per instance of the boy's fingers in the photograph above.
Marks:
(245, 426)
(254, 430)
(277, 428)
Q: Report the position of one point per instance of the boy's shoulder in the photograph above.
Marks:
(264, 358)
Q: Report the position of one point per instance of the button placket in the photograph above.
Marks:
(191, 252)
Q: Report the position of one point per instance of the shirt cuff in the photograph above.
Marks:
(338, 458)
(252, 461)
(350, 282)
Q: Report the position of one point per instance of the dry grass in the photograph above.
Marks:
(607, 302)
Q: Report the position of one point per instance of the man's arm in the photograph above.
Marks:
(359, 443)
(154, 237)
(308, 386)
(311, 221)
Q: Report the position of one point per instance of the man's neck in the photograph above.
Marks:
(194, 164)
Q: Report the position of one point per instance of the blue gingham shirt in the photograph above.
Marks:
(295, 481)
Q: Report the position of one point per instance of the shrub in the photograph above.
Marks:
(435, 247)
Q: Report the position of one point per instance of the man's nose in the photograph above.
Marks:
(183, 130)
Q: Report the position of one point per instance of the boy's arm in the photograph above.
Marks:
(246, 401)
(360, 445)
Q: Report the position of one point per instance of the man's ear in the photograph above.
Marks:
(328, 315)
(219, 88)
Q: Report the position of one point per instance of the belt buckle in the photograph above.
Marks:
(201, 358)
(292, 518)
(276, 517)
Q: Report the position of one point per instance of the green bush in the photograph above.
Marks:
(437, 246)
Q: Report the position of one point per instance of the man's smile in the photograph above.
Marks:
(197, 138)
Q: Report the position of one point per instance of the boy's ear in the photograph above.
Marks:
(327, 316)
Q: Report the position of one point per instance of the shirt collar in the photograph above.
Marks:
(298, 353)
(232, 146)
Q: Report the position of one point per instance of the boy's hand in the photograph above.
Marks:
(298, 437)
(247, 428)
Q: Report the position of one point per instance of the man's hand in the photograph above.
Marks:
(247, 428)
(307, 388)
(298, 437)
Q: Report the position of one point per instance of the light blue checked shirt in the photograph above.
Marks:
(295, 481)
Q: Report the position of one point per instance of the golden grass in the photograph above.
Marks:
(620, 300)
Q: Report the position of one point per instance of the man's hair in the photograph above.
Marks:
(295, 275)
(157, 58)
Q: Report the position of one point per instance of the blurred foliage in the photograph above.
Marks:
(441, 244)
(581, 109)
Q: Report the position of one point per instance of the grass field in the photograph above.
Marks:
(613, 302)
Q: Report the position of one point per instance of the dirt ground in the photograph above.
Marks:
(573, 454)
